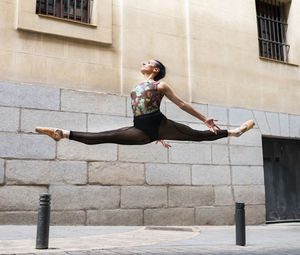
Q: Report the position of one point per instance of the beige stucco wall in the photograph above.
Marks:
(225, 65)
(210, 49)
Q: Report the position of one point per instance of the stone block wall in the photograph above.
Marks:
(108, 184)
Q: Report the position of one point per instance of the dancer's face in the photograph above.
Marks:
(149, 67)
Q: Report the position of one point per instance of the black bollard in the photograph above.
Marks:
(240, 229)
(42, 236)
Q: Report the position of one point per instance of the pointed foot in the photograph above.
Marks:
(54, 133)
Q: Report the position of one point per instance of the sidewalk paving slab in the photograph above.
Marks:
(277, 239)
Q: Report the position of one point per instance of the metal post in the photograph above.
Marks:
(42, 237)
(240, 229)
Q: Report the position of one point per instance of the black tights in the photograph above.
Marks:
(168, 129)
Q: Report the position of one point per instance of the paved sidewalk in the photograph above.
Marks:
(263, 239)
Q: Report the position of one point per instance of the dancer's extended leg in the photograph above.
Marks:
(126, 136)
(171, 130)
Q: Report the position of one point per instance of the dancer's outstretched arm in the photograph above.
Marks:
(168, 92)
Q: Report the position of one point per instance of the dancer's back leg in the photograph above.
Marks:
(171, 130)
(126, 136)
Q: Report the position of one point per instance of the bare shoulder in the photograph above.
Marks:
(163, 86)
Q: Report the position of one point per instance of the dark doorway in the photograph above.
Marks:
(282, 179)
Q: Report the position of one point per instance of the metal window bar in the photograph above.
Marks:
(81, 11)
(46, 7)
(40, 5)
(272, 30)
(277, 20)
(77, 10)
(88, 11)
(269, 31)
(68, 9)
(259, 29)
(266, 32)
(74, 10)
(61, 8)
(280, 30)
(54, 7)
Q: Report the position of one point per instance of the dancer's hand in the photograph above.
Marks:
(211, 125)
(163, 143)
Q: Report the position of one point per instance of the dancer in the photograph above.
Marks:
(149, 123)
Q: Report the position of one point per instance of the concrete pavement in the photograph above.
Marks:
(262, 239)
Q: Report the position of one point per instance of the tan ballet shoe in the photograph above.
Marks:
(247, 126)
(242, 128)
(54, 133)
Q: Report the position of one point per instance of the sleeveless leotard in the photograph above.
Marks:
(145, 98)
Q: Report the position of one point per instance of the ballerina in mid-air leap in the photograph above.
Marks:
(149, 123)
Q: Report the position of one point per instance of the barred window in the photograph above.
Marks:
(272, 29)
(76, 10)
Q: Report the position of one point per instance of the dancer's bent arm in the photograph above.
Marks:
(167, 91)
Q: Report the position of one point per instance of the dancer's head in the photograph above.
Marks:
(154, 68)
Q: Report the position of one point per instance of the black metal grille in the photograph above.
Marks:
(77, 10)
(272, 28)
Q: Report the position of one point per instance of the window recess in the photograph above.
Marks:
(272, 29)
(73, 10)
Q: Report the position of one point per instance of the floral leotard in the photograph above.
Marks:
(145, 98)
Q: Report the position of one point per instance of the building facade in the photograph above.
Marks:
(232, 60)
